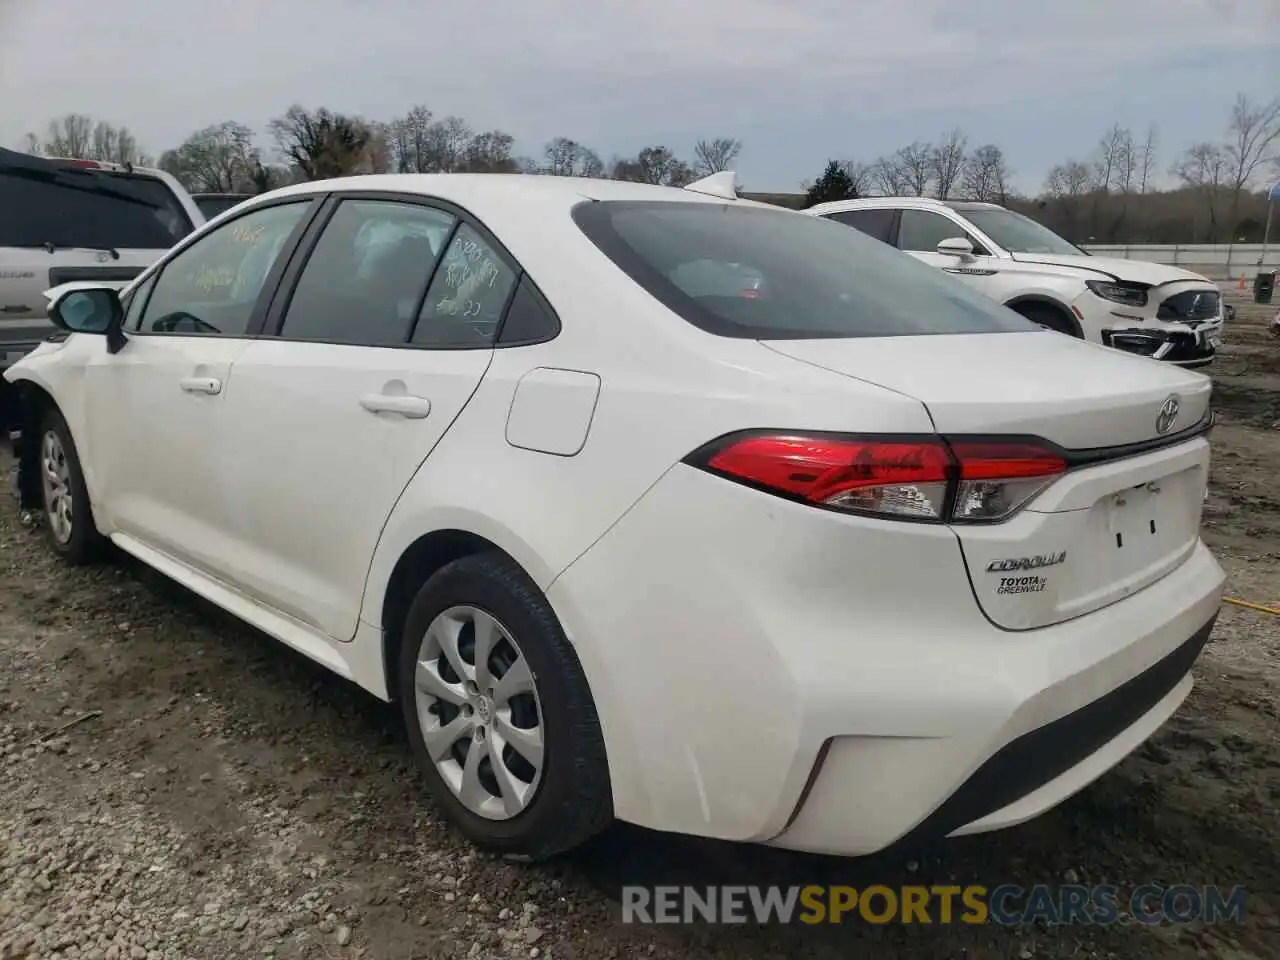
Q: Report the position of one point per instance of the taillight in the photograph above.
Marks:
(910, 478)
(997, 478)
(81, 164)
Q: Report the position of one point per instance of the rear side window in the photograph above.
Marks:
(71, 207)
(874, 223)
(365, 278)
(802, 277)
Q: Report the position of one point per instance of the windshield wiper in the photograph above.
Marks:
(52, 247)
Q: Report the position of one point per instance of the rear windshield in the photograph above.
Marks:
(742, 271)
(87, 208)
(212, 206)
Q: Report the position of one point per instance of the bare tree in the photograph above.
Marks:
(378, 157)
(321, 144)
(408, 137)
(490, 152)
(861, 176)
(69, 136)
(656, 164)
(77, 135)
(915, 163)
(1204, 169)
(1251, 141)
(1147, 161)
(217, 159)
(446, 145)
(1068, 180)
(1114, 147)
(714, 156)
(986, 175)
(564, 157)
(889, 176)
(946, 161)
(1067, 184)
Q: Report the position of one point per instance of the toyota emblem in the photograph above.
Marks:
(103, 257)
(1168, 414)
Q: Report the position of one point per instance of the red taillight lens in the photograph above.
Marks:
(82, 164)
(925, 478)
(901, 478)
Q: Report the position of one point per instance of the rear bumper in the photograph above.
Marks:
(828, 683)
(1027, 776)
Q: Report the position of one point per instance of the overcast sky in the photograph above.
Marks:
(798, 81)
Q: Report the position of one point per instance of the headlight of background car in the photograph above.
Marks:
(1130, 294)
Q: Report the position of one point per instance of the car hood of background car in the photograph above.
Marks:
(1138, 271)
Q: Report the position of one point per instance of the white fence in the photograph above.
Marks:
(1219, 258)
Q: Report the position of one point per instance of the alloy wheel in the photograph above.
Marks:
(56, 476)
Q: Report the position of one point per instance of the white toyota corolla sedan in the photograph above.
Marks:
(646, 503)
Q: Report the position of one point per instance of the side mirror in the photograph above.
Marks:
(956, 247)
(93, 311)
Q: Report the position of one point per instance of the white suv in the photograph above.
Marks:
(1139, 307)
(67, 220)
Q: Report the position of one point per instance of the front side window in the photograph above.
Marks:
(213, 285)
(922, 231)
(365, 278)
(136, 300)
(804, 277)
(467, 296)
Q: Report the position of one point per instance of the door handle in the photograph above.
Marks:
(413, 408)
(209, 385)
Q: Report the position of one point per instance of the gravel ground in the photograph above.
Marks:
(174, 785)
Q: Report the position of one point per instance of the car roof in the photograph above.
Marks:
(478, 190)
(906, 203)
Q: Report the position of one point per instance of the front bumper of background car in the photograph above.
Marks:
(1193, 344)
(1181, 323)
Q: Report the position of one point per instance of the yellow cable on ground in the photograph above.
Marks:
(1252, 606)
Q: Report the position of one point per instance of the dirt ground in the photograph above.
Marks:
(174, 785)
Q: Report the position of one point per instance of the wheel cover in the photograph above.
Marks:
(55, 473)
(479, 712)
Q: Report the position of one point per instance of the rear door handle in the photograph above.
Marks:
(209, 385)
(413, 408)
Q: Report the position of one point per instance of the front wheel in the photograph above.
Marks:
(67, 513)
(499, 714)
(1050, 319)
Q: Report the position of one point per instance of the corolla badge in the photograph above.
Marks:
(1168, 414)
(1037, 562)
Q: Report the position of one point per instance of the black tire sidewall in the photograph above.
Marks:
(575, 772)
(1049, 318)
(84, 543)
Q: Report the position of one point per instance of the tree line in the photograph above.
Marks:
(1109, 194)
(314, 144)
(1219, 190)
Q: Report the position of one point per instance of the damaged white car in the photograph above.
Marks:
(1149, 309)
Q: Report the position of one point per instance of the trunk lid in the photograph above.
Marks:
(1117, 521)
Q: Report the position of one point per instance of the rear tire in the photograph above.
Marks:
(529, 692)
(1049, 318)
(68, 515)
